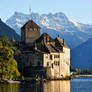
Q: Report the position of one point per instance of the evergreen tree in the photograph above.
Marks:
(8, 65)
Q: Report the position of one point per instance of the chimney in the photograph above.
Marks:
(63, 42)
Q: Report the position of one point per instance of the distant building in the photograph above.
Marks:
(43, 51)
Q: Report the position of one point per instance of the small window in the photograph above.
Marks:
(30, 28)
(54, 62)
(38, 29)
(37, 55)
(51, 57)
(52, 66)
(56, 56)
(58, 63)
(47, 63)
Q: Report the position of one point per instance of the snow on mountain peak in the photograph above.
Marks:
(54, 24)
(76, 24)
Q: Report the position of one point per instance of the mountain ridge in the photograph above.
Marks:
(83, 54)
(57, 23)
(7, 31)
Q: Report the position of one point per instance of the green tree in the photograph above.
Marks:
(8, 65)
(86, 70)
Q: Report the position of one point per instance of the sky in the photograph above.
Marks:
(77, 10)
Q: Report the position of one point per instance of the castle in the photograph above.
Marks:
(53, 55)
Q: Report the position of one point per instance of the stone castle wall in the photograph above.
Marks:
(30, 35)
(58, 67)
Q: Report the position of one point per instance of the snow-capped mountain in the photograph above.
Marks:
(81, 56)
(74, 33)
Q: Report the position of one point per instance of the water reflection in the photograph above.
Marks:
(9, 88)
(51, 86)
(57, 86)
(75, 85)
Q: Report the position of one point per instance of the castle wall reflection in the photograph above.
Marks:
(51, 86)
(56, 86)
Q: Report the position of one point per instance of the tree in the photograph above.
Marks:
(8, 65)
(86, 70)
(78, 71)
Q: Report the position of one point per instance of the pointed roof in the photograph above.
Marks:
(52, 48)
(43, 36)
(61, 42)
(30, 23)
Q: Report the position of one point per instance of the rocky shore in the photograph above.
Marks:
(31, 80)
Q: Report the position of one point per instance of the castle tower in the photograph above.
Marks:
(30, 32)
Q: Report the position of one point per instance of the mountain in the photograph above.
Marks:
(81, 56)
(73, 32)
(9, 32)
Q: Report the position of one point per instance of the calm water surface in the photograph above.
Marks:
(82, 84)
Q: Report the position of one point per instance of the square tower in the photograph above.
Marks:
(30, 32)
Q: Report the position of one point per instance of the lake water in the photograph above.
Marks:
(82, 84)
